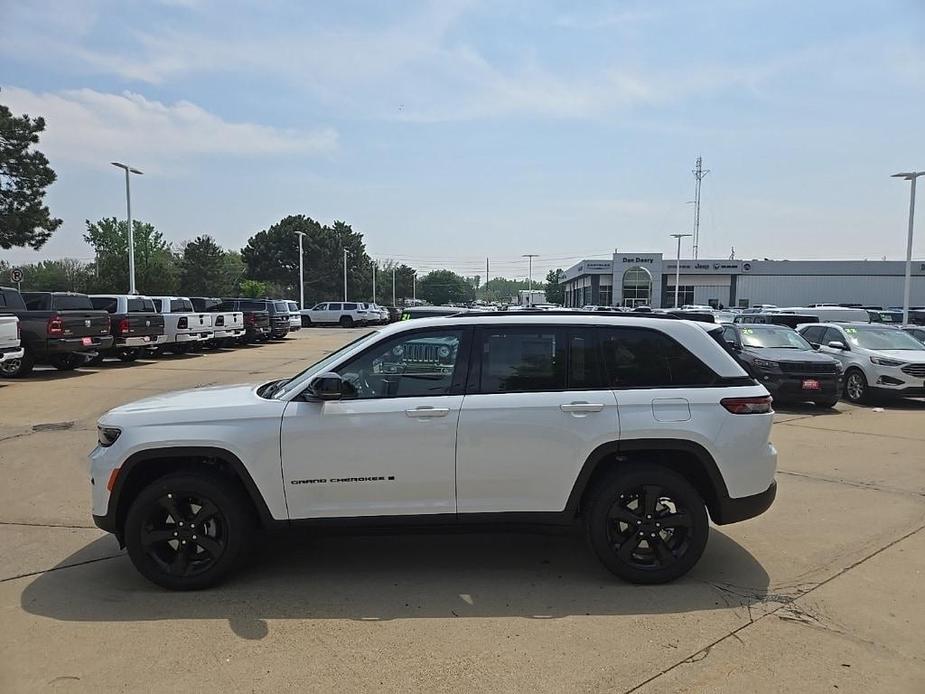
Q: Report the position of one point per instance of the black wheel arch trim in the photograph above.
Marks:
(723, 509)
(111, 521)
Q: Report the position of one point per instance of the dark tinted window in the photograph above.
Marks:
(254, 305)
(334, 307)
(639, 358)
(11, 299)
(522, 359)
(729, 334)
(350, 307)
(584, 363)
(141, 305)
(181, 306)
(293, 306)
(814, 334)
(104, 303)
(72, 302)
(281, 306)
(409, 365)
(35, 301)
(833, 335)
(319, 307)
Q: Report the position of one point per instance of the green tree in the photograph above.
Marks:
(272, 255)
(253, 288)
(502, 289)
(404, 282)
(555, 292)
(202, 268)
(445, 287)
(65, 275)
(233, 270)
(24, 175)
(155, 263)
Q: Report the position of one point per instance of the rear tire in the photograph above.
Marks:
(346, 322)
(128, 356)
(189, 530)
(827, 403)
(647, 524)
(18, 368)
(96, 361)
(65, 362)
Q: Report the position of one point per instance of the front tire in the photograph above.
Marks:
(856, 388)
(647, 524)
(17, 368)
(188, 530)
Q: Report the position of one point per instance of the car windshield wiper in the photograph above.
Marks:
(275, 387)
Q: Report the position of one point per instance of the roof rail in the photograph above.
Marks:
(504, 314)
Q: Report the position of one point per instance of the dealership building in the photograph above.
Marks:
(634, 279)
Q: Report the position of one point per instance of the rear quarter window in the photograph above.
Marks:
(104, 303)
(72, 302)
(142, 306)
(647, 358)
(350, 307)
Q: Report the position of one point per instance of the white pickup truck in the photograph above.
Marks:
(10, 348)
(185, 328)
(228, 326)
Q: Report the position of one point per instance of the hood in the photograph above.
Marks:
(790, 355)
(916, 356)
(212, 397)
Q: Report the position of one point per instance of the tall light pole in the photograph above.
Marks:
(345, 274)
(530, 257)
(301, 278)
(131, 236)
(414, 287)
(677, 274)
(907, 290)
(374, 282)
(393, 287)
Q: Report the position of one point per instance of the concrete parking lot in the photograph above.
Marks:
(825, 592)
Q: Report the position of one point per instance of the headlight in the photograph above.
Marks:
(107, 435)
(764, 364)
(882, 361)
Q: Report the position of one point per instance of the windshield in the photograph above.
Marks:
(778, 338)
(293, 306)
(881, 338)
(300, 380)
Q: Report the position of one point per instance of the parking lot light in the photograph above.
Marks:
(907, 289)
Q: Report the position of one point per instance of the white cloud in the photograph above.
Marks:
(93, 127)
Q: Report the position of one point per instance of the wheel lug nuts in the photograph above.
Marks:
(649, 517)
(175, 534)
(658, 525)
(170, 496)
(641, 534)
(194, 537)
(653, 534)
(183, 542)
(181, 524)
(638, 522)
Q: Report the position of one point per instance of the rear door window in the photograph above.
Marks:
(521, 360)
(584, 363)
(813, 334)
(334, 307)
(833, 335)
(350, 307)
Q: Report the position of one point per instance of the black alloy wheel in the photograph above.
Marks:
(66, 362)
(187, 531)
(346, 322)
(647, 524)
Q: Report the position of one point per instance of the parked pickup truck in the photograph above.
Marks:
(57, 328)
(186, 328)
(256, 318)
(136, 326)
(10, 348)
(228, 325)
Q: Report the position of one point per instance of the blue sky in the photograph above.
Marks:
(451, 131)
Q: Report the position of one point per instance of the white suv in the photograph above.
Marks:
(343, 313)
(638, 427)
(877, 359)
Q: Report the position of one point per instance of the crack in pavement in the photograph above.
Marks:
(59, 568)
(851, 483)
(796, 423)
(702, 653)
(47, 525)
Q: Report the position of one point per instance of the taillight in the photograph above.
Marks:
(55, 326)
(124, 327)
(759, 405)
(220, 320)
(183, 323)
(250, 319)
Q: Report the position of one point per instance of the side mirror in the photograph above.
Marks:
(328, 386)
(732, 345)
(837, 344)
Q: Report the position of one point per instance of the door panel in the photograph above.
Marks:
(374, 457)
(523, 451)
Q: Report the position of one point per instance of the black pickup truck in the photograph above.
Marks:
(257, 326)
(58, 328)
(137, 328)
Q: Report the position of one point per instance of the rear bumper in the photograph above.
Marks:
(141, 341)
(8, 353)
(228, 334)
(66, 345)
(193, 337)
(728, 510)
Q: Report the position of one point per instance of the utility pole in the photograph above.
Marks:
(699, 172)
(414, 286)
(677, 268)
(374, 282)
(131, 235)
(393, 286)
(907, 288)
(345, 274)
(486, 279)
(301, 277)
(530, 257)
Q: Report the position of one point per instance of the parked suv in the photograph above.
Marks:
(640, 428)
(345, 314)
(877, 359)
(785, 363)
(295, 317)
(256, 318)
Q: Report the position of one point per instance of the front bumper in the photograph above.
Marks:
(790, 386)
(892, 379)
(10, 353)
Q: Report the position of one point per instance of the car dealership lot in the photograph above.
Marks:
(824, 590)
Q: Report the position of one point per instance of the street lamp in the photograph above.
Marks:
(677, 268)
(301, 280)
(907, 290)
(131, 236)
(345, 274)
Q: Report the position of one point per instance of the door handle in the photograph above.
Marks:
(583, 407)
(428, 412)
